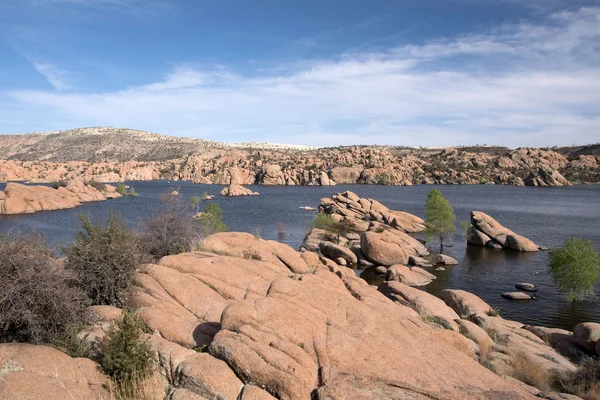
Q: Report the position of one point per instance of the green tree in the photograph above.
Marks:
(212, 218)
(121, 189)
(439, 218)
(575, 268)
(327, 223)
(195, 204)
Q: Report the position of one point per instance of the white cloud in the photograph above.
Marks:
(524, 84)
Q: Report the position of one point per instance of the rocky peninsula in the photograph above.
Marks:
(116, 155)
(25, 199)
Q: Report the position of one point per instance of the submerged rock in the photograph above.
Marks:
(530, 287)
(518, 296)
(486, 231)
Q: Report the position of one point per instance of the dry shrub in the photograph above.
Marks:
(39, 301)
(252, 255)
(99, 186)
(528, 371)
(104, 258)
(149, 388)
(172, 230)
(584, 381)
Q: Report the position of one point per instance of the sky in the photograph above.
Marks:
(315, 72)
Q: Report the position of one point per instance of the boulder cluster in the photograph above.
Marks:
(24, 199)
(253, 319)
(375, 237)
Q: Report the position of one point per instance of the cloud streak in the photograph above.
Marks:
(517, 85)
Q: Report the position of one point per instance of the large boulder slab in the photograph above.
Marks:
(42, 372)
(430, 308)
(390, 247)
(486, 231)
(464, 303)
(586, 335)
(296, 335)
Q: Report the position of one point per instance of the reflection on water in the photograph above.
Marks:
(548, 216)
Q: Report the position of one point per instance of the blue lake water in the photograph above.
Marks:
(548, 216)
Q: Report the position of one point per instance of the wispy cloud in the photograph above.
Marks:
(521, 84)
(54, 75)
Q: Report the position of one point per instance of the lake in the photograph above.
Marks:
(548, 216)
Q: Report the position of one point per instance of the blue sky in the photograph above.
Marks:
(327, 72)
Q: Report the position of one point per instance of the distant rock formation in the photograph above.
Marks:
(546, 177)
(136, 155)
(23, 199)
(237, 190)
(486, 231)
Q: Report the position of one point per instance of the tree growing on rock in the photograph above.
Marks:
(212, 218)
(575, 268)
(439, 218)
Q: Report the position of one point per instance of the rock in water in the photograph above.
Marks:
(444, 260)
(237, 190)
(486, 231)
(529, 287)
(517, 296)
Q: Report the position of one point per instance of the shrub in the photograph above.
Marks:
(132, 192)
(439, 222)
(127, 356)
(585, 380)
(252, 255)
(58, 184)
(575, 268)
(96, 185)
(212, 218)
(172, 230)
(195, 204)
(104, 257)
(327, 223)
(39, 301)
(121, 189)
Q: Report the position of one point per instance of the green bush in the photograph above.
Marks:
(104, 258)
(132, 192)
(127, 357)
(439, 218)
(327, 223)
(212, 218)
(575, 268)
(39, 301)
(121, 189)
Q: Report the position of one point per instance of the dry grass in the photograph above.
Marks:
(585, 381)
(252, 255)
(150, 388)
(528, 371)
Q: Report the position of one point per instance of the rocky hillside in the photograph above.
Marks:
(112, 155)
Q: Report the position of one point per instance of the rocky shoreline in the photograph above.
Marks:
(253, 319)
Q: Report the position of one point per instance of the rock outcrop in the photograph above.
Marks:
(486, 231)
(587, 335)
(237, 190)
(272, 332)
(546, 177)
(251, 319)
(24, 199)
(42, 372)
